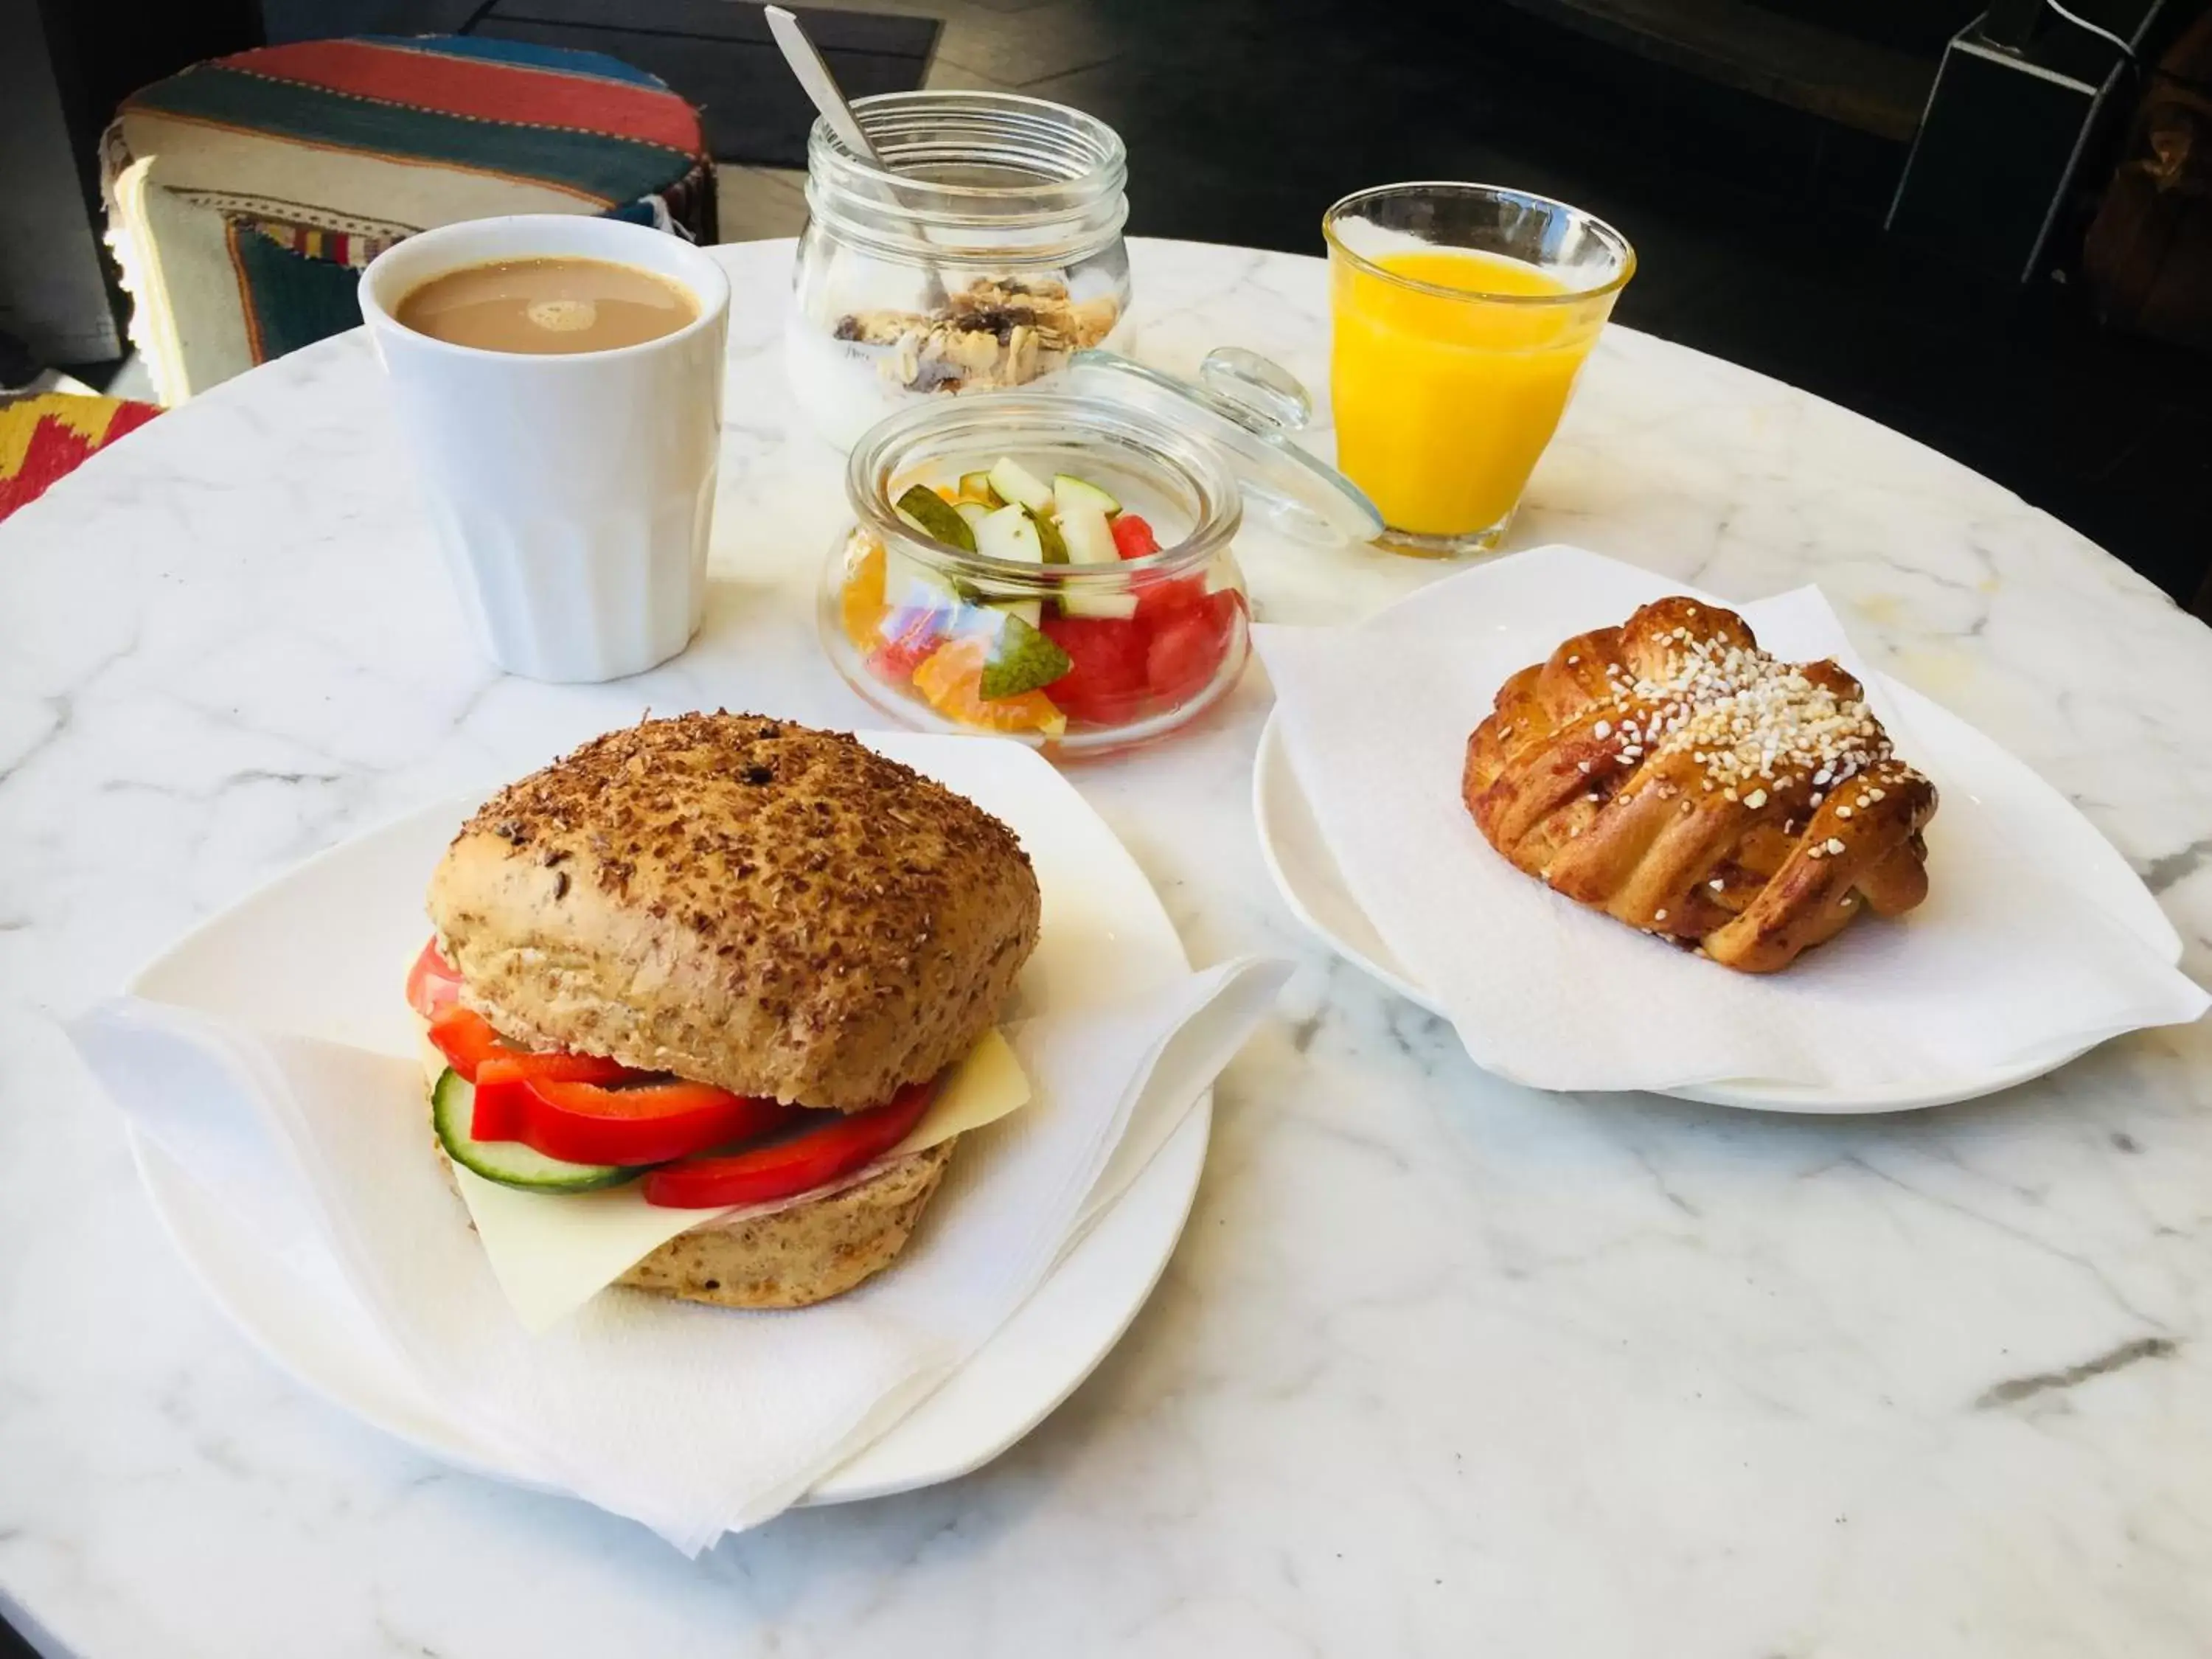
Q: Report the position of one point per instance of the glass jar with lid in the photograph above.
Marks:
(1058, 564)
(982, 256)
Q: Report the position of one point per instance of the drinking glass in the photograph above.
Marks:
(1462, 314)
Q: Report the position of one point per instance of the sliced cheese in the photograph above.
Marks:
(982, 1089)
(552, 1253)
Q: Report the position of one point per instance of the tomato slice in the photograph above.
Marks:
(647, 1122)
(466, 1038)
(433, 983)
(796, 1163)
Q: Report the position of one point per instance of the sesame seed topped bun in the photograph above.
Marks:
(742, 901)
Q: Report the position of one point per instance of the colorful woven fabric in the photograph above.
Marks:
(45, 437)
(246, 192)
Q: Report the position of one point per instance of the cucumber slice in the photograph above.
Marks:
(1048, 536)
(931, 514)
(977, 487)
(1019, 485)
(1066, 487)
(1087, 536)
(1009, 533)
(511, 1163)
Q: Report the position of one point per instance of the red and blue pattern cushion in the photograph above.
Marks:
(319, 154)
(577, 122)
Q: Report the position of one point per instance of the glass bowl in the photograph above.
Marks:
(1080, 658)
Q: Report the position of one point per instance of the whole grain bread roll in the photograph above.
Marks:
(800, 1255)
(804, 1254)
(742, 901)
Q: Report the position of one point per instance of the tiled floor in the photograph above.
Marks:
(756, 202)
(1757, 228)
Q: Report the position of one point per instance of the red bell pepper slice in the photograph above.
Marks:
(643, 1123)
(554, 1065)
(433, 983)
(503, 1079)
(466, 1038)
(796, 1163)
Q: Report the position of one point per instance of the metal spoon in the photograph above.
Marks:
(821, 85)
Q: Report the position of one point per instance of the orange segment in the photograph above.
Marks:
(952, 680)
(860, 602)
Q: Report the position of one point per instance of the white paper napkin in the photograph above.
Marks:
(694, 1420)
(2007, 960)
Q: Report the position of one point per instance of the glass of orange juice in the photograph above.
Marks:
(1462, 315)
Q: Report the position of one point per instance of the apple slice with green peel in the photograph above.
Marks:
(908, 582)
(1019, 485)
(974, 512)
(1066, 487)
(931, 514)
(1026, 660)
(1086, 533)
(1008, 532)
(1056, 546)
(1089, 541)
(977, 487)
(1113, 603)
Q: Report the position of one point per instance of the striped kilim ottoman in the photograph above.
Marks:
(245, 194)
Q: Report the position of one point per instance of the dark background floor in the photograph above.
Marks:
(1758, 228)
(1757, 218)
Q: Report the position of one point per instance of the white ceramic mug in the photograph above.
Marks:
(572, 493)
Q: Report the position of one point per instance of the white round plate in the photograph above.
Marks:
(1307, 876)
(322, 950)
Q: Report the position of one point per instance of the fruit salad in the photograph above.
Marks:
(1096, 632)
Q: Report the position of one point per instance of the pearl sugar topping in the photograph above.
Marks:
(1743, 715)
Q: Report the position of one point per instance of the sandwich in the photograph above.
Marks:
(729, 959)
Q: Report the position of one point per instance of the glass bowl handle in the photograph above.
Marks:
(1260, 387)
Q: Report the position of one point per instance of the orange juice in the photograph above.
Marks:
(1446, 393)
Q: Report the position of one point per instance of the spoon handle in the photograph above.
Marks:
(819, 84)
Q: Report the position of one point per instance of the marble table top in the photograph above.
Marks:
(1443, 1365)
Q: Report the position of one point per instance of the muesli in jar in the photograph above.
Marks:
(983, 255)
